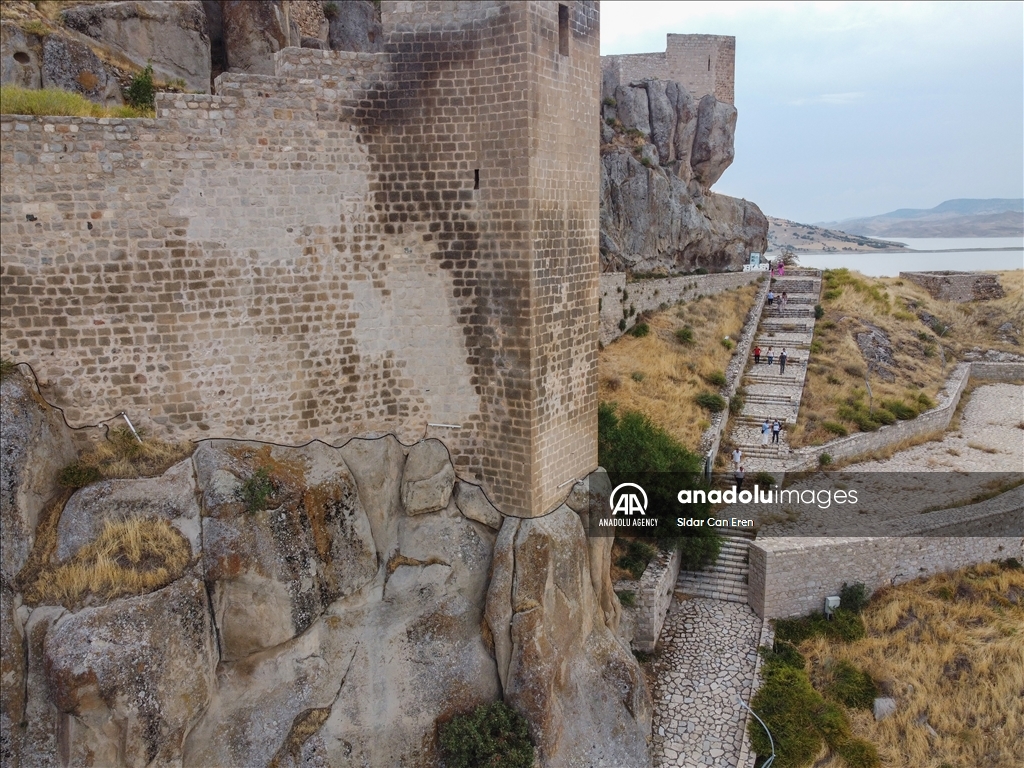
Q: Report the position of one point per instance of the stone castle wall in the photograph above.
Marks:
(705, 64)
(363, 243)
(957, 286)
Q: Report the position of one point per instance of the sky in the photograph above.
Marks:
(855, 109)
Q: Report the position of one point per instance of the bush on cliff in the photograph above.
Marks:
(492, 735)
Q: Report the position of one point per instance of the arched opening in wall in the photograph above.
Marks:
(563, 29)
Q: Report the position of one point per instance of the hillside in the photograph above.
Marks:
(784, 234)
(997, 217)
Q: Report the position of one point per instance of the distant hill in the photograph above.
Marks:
(783, 234)
(998, 217)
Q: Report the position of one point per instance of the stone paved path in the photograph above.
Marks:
(708, 653)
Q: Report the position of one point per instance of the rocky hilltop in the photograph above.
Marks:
(365, 596)
(661, 152)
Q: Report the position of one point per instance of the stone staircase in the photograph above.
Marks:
(727, 578)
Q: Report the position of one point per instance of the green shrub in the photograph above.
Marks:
(330, 9)
(609, 102)
(899, 409)
(854, 597)
(699, 551)
(492, 735)
(710, 402)
(824, 460)
(715, 378)
(883, 416)
(925, 402)
(53, 101)
(851, 687)
(7, 367)
(929, 350)
(819, 311)
(685, 335)
(622, 324)
(764, 479)
(637, 376)
(787, 703)
(858, 753)
(640, 330)
(728, 343)
(638, 555)
(255, 493)
(782, 653)
(141, 92)
(834, 427)
(832, 294)
(78, 475)
(627, 597)
(736, 403)
(845, 626)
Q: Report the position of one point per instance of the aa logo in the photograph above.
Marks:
(628, 502)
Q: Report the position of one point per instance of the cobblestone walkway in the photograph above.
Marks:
(708, 650)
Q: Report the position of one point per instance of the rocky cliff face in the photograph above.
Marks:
(660, 154)
(372, 596)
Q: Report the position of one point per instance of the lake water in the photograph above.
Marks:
(936, 253)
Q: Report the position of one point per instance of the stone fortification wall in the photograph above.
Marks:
(957, 286)
(653, 598)
(362, 243)
(622, 301)
(705, 64)
(934, 420)
(791, 576)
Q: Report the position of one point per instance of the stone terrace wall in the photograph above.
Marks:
(653, 598)
(957, 286)
(617, 297)
(705, 64)
(791, 576)
(934, 420)
(364, 243)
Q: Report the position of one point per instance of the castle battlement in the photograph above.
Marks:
(705, 64)
(359, 244)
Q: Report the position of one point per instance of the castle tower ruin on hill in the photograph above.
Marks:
(399, 242)
(705, 64)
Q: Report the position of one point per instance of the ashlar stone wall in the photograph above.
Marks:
(705, 64)
(360, 244)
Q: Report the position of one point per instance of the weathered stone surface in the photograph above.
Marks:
(883, 707)
(473, 503)
(171, 35)
(370, 679)
(377, 467)
(664, 121)
(34, 445)
(632, 108)
(876, 349)
(429, 478)
(560, 665)
(686, 129)
(72, 66)
(253, 32)
(591, 497)
(131, 678)
(12, 676)
(21, 57)
(274, 571)
(171, 497)
(354, 26)
(39, 745)
(713, 143)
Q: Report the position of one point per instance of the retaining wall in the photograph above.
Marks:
(653, 598)
(791, 576)
(957, 286)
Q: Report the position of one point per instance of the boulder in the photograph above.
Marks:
(12, 676)
(253, 33)
(474, 504)
(367, 682)
(713, 142)
(21, 57)
(131, 678)
(35, 444)
(354, 26)
(428, 478)
(686, 128)
(377, 467)
(72, 66)
(170, 497)
(42, 720)
(664, 121)
(876, 349)
(171, 35)
(883, 706)
(559, 664)
(632, 109)
(590, 497)
(274, 571)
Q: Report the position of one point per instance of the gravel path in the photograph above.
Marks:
(708, 651)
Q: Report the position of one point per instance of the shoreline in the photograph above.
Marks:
(911, 250)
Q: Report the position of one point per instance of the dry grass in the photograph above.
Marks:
(950, 650)
(669, 374)
(121, 455)
(130, 557)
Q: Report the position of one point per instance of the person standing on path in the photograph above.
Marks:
(782, 303)
(782, 361)
(766, 429)
(771, 297)
(771, 355)
(776, 428)
(737, 457)
(757, 355)
(740, 474)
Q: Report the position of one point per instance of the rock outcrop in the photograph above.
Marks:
(660, 154)
(363, 596)
(355, 26)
